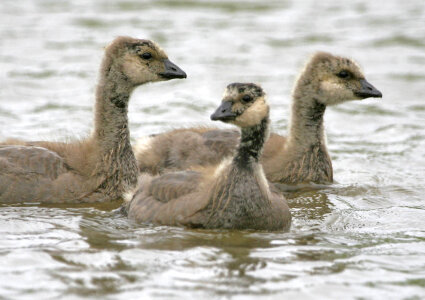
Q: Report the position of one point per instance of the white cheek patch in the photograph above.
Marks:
(331, 88)
(136, 71)
(253, 115)
(333, 93)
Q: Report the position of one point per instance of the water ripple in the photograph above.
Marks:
(359, 238)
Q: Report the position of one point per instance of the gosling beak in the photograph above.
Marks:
(172, 70)
(224, 112)
(367, 90)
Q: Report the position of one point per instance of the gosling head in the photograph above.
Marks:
(140, 61)
(334, 79)
(243, 104)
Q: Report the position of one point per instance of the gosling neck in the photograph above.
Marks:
(251, 143)
(112, 97)
(306, 127)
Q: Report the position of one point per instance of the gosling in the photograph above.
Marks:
(234, 194)
(101, 167)
(300, 158)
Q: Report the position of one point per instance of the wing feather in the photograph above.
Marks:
(174, 185)
(25, 170)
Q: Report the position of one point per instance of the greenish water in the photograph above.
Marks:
(361, 238)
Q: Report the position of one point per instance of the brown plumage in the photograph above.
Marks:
(233, 194)
(101, 167)
(302, 157)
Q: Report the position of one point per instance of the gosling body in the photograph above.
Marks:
(301, 157)
(101, 167)
(233, 194)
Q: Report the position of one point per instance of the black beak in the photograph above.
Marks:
(367, 90)
(224, 112)
(172, 70)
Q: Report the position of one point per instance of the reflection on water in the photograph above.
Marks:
(362, 237)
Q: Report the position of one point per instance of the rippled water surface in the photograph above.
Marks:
(363, 237)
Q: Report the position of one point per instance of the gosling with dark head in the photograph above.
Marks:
(233, 194)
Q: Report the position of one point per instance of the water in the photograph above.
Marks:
(363, 237)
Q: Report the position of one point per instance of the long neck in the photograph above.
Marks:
(116, 162)
(306, 128)
(112, 96)
(251, 143)
(304, 157)
(240, 195)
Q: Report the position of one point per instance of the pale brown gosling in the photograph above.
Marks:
(103, 166)
(234, 194)
(302, 157)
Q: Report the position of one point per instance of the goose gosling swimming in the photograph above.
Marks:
(101, 167)
(235, 193)
(302, 157)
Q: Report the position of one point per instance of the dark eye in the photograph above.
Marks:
(344, 74)
(247, 98)
(146, 55)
